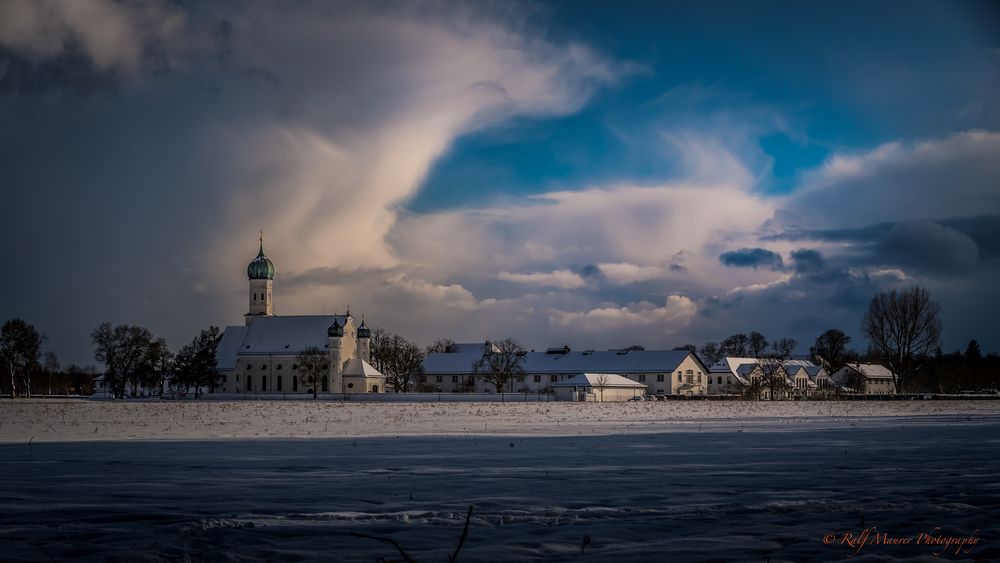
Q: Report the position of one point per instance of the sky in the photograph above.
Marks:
(591, 174)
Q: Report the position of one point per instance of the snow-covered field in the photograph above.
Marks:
(644, 482)
(55, 420)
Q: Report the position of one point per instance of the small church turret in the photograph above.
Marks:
(260, 272)
(336, 335)
(364, 341)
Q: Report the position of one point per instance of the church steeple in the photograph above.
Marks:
(260, 272)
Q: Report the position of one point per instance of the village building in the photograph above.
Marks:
(739, 376)
(601, 387)
(261, 357)
(866, 379)
(663, 372)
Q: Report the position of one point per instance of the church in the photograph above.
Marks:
(260, 357)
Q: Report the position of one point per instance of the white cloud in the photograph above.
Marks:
(624, 273)
(563, 279)
(671, 318)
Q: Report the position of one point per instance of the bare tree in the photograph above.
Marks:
(634, 348)
(195, 365)
(124, 350)
(689, 347)
(831, 349)
(602, 382)
(735, 345)
(771, 367)
(756, 344)
(379, 349)
(442, 345)
(403, 362)
(20, 346)
(710, 353)
(904, 328)
(314, 366)
(501, 363)
(50, 366)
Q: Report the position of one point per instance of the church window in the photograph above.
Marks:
(263, 383)
(326, 384)
(249, 367)
(295, 367)
(279, 367)
(254, 296)
(350, 386)
(278, 386)
(263, 366)
(295, 384)
(249, 383)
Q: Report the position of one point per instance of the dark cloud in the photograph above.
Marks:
(927, 246)
(807, 261)
(752, 258)
(70, 72)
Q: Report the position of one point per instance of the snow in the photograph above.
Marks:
(680, 481)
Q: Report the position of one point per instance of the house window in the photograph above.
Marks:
(263, 383)
(437, 379)
(422, 379)
(223, 378)
(278, 388)
(553, 378)
(454, 379)
(538, 379)
(680, 377)
(659, 378)
(720, 380)
(519, 379)
(642, 378)
(699, 377)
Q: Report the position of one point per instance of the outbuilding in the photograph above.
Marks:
(600, 387)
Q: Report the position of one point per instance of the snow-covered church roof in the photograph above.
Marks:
(356, 367)
(275, 335)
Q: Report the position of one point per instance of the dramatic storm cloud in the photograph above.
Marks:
(560, 173)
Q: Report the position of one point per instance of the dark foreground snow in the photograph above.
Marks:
(730, 494)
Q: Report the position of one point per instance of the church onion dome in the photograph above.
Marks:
(260, 268)
(335, 330)
(363, 330)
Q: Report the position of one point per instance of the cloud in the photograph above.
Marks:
(113, 35)
(953, 176)
(927, 246)
(625, 273)
(752, 258)
(563, 279)
(807, 261)
(672, 317)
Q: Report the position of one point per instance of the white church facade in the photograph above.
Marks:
(261, 357)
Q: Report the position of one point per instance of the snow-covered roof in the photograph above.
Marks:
(608, 380)
(588, 361)
(229, 347)
(356, 367)
(286, 335)
(870, 370)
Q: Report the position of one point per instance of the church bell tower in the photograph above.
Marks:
(260, 272)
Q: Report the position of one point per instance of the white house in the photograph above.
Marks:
(602, 387)
(867, 379)
(735, 375)
(663, 372)
(261, 356)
